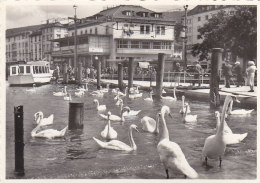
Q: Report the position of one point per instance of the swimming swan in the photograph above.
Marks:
(48, 133)
(67, 97)
(97, 93)
(229, 136)
(135, 95)
(109, 132)
(40, 120)
(61, 94)
(134, 90)
(130, 112)
(151, 125)
(118, 145)
(170, 152)
(215, 145)
(100, 107)
(115, 117)
(183, 109)
(188, 117)
(238, 111)
(150, 98)
(174, 98)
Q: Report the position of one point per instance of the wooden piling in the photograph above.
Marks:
(130, 72)
(76, 115)
(120, 76)
(98, 73)
(65, 74)
(216, 58)
(80, 72)
(19, 145)
(159, 74)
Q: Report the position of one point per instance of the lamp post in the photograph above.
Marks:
(75, 41)
(184, 36)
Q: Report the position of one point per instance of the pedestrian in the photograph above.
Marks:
(197, 72)
(227, 72)
(177, 73)
(57, 71)
(238, 72)
(251, 69)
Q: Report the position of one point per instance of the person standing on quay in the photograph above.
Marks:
(177, 73)
(197, 74)
(227, 73)
(251, 75)
(238, 71)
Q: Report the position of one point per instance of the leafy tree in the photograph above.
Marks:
(236, 33)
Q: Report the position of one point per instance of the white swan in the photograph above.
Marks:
(79, 93)
(62, 93)
(115, 90)
(170, 152)
(97, 93)
(134, 90)
(104, 90)
(151, 125)
(48, 133)
(188, 117)
(109, 132)
(122, 94)
(215, 145)
(115, 117)
(229, 136)
(182, 111)
(41, 121)
(136, 95)
(82, 88)
(238, 111)
(174, 98)
(100, 107)
(118, 145)
(33, 89)
(119, 102)
(130, 112)
(67, 97)
(150, 98)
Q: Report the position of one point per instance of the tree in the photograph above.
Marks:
(236, 33)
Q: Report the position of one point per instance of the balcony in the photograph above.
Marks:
(142, 51)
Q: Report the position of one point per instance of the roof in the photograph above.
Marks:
(206, 8)
(36, 33)
(174, 15)
(20, 30)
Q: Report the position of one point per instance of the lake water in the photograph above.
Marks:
(78, 156)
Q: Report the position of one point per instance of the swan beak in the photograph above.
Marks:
(170, 115)
(137, 130)
(238, 101)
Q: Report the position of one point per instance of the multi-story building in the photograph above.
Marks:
(196, 18)
(117, 33)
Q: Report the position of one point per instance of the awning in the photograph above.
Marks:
(144, 65)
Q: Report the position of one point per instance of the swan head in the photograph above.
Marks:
(217, 114)
(133, 126)
(37, 115)
(95, 101)
(108, 114)
(126, 109)
(165, 110)
(235, 99)
(183, 97)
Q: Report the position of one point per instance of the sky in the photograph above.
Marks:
(24, 15)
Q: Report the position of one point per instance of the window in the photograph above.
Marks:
(146, 45)
(156, 45)
(81, 32)
(36, 69)
(107, 29)
(122, 44)
(158, 29)
(58, 35)
(28, 69)
(72, 33)
(206, 17)
(13, 70)
(199, 36)
(198, 19)
(96, 30)
(162, 30)
(135, 44)
(90, 31)
(128, 13)
(141, 29)
(148, 29)
(21, 69)
(198, 28)
(156, 15)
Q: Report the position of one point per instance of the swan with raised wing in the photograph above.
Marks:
(48, 133)
(183, 109)
(215, 145)
(62, 93)
(40, 120)
(99, 107)
(229, 136)
(109, 132)
(170, 152)
(151, 125)
(118, 145)
(115, 117)
(174, 98)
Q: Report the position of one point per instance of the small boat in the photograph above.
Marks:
(30, 73)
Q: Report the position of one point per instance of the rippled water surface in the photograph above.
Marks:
(78, 156)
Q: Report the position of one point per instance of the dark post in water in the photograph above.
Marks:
(98, 72)
(120, 76)
(216, 59)
(19, 145)
(80, 73)
(65, 74)
(159, 74)
(76, 115)
(130, 72)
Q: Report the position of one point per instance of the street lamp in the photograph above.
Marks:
(184, 37)
(75, 40)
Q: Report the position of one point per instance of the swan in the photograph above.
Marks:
(79, 93)
(238, 111)
(115, 117)
(118, 145)
(61, 94)
(33, 89)
(163, 90)
(215, 145)
(115, 90)
(151, 125)
(150, 98)
(104, 90)
(119, 102)
(137, 95)
(174, 98)
(82, 88)
(188, 117)
(100, 107)
(117, 97)
(130, 112)
(182, 111)
(97, 93)
(229, 136)
(170, 152)
(122, 94)
(109, 132)
(134, 90)
(67, 97)
(48, 133)
(40, 120)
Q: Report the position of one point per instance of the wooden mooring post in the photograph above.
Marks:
(76, 115)
(120, 76)
(216, 60)
(130, 72)
(65, 74)
(160, 74)
(80, 72)
(98, 73)
(19, 144)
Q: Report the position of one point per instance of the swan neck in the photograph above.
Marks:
(230, 107)
(131, 139)
(222, 120)
(218, 122)
(164, 132)
(174, 94)
(156, 130)
(33, 133)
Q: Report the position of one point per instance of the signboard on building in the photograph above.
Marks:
(93, 49)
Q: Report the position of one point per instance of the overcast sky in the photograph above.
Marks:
(25, 15)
